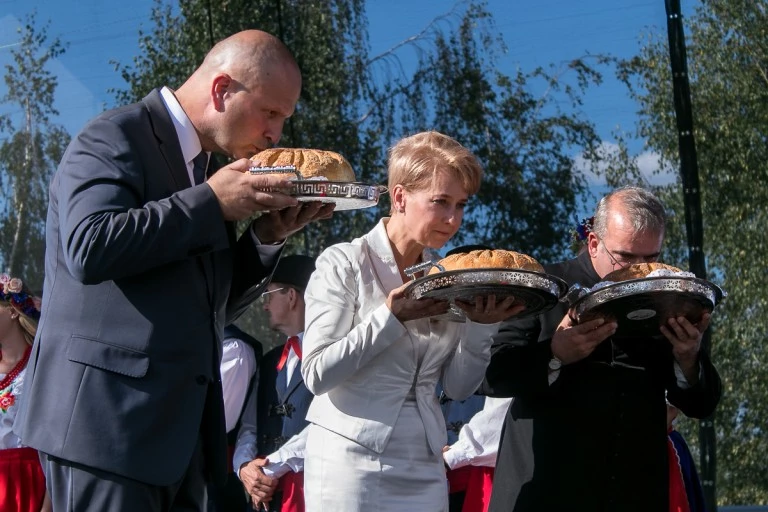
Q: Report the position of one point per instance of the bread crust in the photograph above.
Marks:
(637, 271)
(310, 163)
(497, 258)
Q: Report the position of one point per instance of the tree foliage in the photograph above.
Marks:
(359, 104)
(30, 153)
(728, 67)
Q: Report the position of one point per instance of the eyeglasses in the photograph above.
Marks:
(623, 261)
(266, 296)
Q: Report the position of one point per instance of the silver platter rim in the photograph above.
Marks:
(460, 278)
(365, 196)
(659, 284)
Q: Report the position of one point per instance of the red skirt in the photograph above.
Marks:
(22, 482)
(476, 482)
(292, 485)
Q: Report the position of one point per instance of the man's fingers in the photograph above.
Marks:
(263, 200)
(270, 181)
(307, 211)
(591, 325)
(326, 212)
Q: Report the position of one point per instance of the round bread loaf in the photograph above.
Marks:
(497, 258)
(310, 163)
(637, 271)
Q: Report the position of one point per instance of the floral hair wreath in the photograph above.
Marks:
(581, 233)
(12, 290)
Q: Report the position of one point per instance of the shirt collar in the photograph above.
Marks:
(185, 130)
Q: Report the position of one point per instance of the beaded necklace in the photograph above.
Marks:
(16, 369)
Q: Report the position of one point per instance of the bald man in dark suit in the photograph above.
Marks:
(143, 270)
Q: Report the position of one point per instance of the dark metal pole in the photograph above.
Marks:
(689, 171)
(210, 23)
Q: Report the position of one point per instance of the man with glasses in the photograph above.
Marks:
(587, 428)
(269, 453)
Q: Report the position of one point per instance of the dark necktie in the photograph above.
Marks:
(199, 166)
(292, 343)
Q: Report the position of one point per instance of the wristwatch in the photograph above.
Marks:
(555, 364)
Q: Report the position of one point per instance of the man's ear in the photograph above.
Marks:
(293, 297)
(592, 244)
(219, 88)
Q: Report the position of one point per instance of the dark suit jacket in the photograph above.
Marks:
(595, 440)
(282, 406)
(142, 274)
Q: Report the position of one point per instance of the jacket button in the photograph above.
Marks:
(201, 379)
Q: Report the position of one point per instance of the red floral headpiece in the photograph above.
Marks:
(12, 290)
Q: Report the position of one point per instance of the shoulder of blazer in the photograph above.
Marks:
(162, 124)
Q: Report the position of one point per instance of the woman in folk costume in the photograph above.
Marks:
(685, 491)
(373, 357)
(22, 483)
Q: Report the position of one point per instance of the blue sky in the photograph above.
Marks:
(536, 34)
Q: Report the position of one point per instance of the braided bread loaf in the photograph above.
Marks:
(497, 258)
(309, 162)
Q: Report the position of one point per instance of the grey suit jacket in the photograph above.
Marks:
(142, 274)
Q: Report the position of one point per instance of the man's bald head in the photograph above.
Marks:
(250, 55)
(242, 93)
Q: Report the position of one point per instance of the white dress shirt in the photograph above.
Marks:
(478, 442)
(290, 456)
(292, 362)
(188, 139)
(238, 367)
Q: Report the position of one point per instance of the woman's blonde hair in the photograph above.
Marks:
(414, 161)
(27, 323)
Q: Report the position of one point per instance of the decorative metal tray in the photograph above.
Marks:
(641, 306)
(346, 195)
(539, 292)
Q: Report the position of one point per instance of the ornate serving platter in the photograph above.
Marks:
(539, 292)
(640, 306)
(346, 195)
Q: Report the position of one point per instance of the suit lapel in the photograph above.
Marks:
(170, 148)
(383, 259)
(281, 384)
(162, 127)
(295, 381)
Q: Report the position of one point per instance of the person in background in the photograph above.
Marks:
(685, 491)
(586, 429)
(471, 458)
(240, 358)
(22, 483)
(271, 440)
(373, 356)
(143, 269)
(474, 427)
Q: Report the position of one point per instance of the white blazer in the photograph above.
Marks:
(361, 362)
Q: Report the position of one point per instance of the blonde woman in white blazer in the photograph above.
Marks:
(373, 357)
